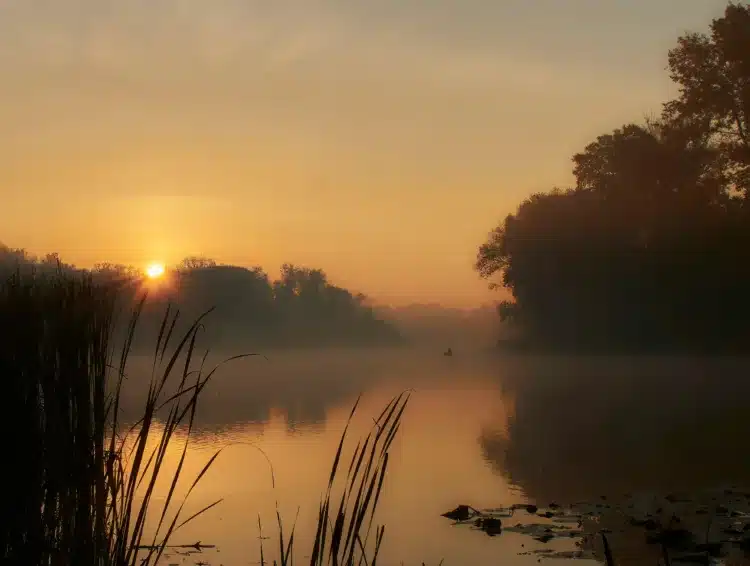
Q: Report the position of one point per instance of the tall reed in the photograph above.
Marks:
(346, 515)
(77, 488)
(79, 485)
(344, 531)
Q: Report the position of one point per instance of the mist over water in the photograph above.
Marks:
(318, 170)
(482, 429)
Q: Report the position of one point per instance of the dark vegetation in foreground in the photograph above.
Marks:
(673, 529)
(650, 248)
(79, 487)
(301, 308)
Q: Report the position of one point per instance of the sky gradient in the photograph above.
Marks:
(378, 139)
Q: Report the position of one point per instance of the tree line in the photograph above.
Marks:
(300, 308)
(650, 249)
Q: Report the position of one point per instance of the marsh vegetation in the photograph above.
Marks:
(81, 485)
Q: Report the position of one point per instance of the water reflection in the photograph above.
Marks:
(302, 386)
(583, 427)
(485, 431)
(598, 429)
(294, 408)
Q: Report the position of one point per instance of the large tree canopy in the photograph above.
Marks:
(650, 248)
(301, 308)
(713, 74)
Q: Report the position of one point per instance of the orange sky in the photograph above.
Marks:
(380, 140)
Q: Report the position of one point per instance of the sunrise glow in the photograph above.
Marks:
(155, 270)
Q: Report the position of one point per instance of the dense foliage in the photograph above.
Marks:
(300, 308)
(651, 247)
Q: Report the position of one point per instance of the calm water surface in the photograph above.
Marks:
(480, 429)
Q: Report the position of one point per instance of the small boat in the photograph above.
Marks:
(448, 352)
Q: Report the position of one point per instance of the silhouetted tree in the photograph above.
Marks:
(117, 271)
(713, 74)
(301, 308)
(650, 247)
(196, 262)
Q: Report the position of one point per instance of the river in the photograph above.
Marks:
(481, 429)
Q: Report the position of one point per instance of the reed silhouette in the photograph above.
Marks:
(80, 486)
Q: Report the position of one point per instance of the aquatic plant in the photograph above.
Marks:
(340, 538)
(698, 528)
(80, 485)
(78, 488)
(343, 531)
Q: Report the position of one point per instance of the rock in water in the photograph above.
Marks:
(460, 513)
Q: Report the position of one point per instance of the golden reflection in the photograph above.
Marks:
(435, 462)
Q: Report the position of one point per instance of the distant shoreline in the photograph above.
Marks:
(530, 346)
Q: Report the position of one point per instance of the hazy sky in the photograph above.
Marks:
(378, 139)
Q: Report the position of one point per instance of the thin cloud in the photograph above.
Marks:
(475, 44)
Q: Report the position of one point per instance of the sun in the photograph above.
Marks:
(155, 270)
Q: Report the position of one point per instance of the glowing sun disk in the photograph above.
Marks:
(155, 270)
